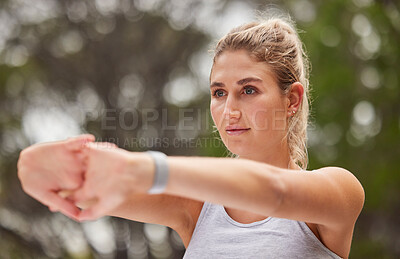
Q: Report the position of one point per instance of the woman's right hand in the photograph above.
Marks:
(45, 169)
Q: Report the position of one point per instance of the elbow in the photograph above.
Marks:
(350, 192)
(358, 196)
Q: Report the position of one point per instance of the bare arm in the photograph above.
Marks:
(331, 197)
(328, 196)
(163, 209)
(168, 210)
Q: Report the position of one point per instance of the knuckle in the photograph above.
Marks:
(22, 170)
(24, 187)
(71, 183)
(23, 156)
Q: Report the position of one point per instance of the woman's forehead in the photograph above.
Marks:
(237, 65)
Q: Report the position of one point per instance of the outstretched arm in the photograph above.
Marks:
(327, 196)
(331, 197)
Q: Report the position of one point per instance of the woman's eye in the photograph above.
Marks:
(249, 90)
(218, 93)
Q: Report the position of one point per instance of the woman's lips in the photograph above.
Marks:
(236, 132)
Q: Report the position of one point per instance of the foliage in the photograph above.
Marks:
(131, 72)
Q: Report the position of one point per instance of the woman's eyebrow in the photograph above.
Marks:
(248, 80)
(240, 82)
(217, 84)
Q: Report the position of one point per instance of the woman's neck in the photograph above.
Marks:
(279, 158)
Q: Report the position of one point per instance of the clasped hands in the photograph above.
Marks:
(83, 179)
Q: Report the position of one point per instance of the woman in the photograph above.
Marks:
(264, 204)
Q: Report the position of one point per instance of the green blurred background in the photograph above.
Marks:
(135, 72)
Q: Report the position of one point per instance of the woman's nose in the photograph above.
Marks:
(231, 110)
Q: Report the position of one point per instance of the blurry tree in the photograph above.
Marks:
(74, 66)
(135, 73)
(355, 79)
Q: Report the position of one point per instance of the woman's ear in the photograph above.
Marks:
(295, 97)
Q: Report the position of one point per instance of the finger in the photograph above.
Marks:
(79, 201)
(87, 149)
(105, 145)
(53, 209)
(101, 208)
(71, 180)
(68, 195)
(86, 204)
(81, 196)
(64, 206)
(83, 158)
(100, 145)
(65, 193)
(77, 143)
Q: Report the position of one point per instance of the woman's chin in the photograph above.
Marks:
(239, 146)
(239, 150)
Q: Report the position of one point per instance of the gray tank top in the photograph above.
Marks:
(217, 235)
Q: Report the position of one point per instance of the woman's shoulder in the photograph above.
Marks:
(338, 238)
(334, 171)
(344, 179)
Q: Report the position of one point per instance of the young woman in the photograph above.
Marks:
(265, 204)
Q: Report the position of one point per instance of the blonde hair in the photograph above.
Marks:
(276, 42)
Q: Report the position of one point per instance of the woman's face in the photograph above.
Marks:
(247, 105)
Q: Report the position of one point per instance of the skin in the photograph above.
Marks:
(108, 184)
(263, 182)
(36, 167)
(258, 105)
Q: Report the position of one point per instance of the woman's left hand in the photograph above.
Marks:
(112, 175)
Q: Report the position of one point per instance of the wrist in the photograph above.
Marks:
(141, 167)
(160, 173)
